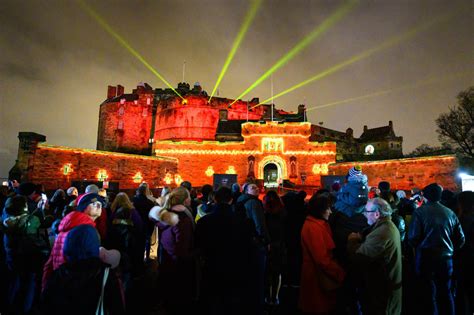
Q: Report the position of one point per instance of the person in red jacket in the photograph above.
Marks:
(317, 245)
(89, 208)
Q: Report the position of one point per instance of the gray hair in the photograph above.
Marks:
(380, 205)
(92, 188)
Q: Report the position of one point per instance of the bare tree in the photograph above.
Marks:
(426, 150)
(456, 128)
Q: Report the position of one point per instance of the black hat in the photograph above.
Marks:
(384, 186)
(16, 205)
(87, 199)
(187, 185)
(433, 192)
(26, 189)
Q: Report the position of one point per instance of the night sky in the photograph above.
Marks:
(57, 61)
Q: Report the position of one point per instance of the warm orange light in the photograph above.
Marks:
(320, 169)
(210, 171)
(168, 179)
(67, 169)
(177, 179)
(138, 177)
(316, 169)
(274, 159)
(272, 144)
(102, 175)
(231, 170)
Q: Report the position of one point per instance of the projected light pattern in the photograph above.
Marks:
(318, 31)
(124, 43)
(385, 45)
(240, 36)
(401, 88)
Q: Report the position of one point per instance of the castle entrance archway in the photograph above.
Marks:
(270, 175)
(272, 170)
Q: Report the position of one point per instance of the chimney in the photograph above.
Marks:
(365, 128)
(390, 124)
(111, 92)
(301, 109)
(120, 90)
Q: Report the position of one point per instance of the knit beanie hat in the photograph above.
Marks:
(355, 173)
(84, 200)
(82, 242)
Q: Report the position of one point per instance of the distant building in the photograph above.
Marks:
(374, 144)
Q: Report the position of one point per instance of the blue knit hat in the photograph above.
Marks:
(355, 172)
(82, 242)
(87, 199)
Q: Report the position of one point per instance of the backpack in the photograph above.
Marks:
(32, 249)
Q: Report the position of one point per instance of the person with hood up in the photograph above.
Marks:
(84, 284)
(89, 208)
(353, 196)
(175, 229)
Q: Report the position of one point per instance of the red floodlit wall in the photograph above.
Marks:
(407, 173)
(285, 145)
(196, 119)
(125, 125)
(57, 167)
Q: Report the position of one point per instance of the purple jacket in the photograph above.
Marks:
(176, 236)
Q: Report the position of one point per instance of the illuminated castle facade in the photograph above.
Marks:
(154, 135)
(208, 137)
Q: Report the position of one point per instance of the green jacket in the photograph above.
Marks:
(378, 262)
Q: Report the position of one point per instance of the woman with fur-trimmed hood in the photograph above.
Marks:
(175, 229)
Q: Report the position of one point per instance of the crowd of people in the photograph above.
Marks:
(350, 249)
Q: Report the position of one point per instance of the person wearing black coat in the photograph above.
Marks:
(225, 242)
(143, 205)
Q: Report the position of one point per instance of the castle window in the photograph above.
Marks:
(145, 112)
(120, 125)
(391, 145)
(148, 101)
(323, 132)
(121, 110)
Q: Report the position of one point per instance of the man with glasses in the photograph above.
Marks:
(89, 208)
(378, 260)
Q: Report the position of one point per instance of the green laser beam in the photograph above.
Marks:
(124, 43)
(401, 88)
(384, 45)
(252, 12)
(318, 31)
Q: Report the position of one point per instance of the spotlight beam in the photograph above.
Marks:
(124, 43)
(400, 88)
(384, 45)
(240, 36)
(318, 31)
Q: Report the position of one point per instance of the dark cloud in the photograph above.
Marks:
(57, 61)
(28, 73)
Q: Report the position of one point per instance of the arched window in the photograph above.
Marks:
(293, 167)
